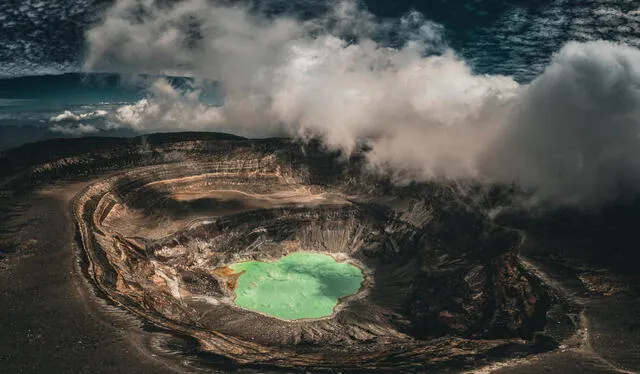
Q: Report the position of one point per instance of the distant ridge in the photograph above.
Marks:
(22, 156)
(13, 136)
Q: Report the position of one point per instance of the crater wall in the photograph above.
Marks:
(442, 283)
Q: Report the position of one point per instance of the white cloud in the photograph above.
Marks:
(574, 136)
(571, 135)
(76, 129)
(70, 116)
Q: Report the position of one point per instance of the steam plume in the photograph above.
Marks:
(571, 135)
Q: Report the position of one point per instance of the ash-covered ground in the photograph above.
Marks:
(115, 257)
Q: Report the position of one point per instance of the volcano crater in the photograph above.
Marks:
(441, 284)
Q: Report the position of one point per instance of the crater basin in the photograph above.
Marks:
(300, 285)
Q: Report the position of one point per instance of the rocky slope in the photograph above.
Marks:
(443, 284)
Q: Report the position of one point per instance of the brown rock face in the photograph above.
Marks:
(443, 285)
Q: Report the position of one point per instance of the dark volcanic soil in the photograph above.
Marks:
(49, 319)
(105, 248)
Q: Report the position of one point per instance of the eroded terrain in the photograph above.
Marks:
(442, 284)
(158, 227)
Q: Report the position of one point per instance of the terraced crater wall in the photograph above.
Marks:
(442, 284)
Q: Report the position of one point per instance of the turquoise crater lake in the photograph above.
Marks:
(299, 285)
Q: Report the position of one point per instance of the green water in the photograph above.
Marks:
(299, 285)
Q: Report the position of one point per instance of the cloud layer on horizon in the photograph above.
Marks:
(571, 135)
